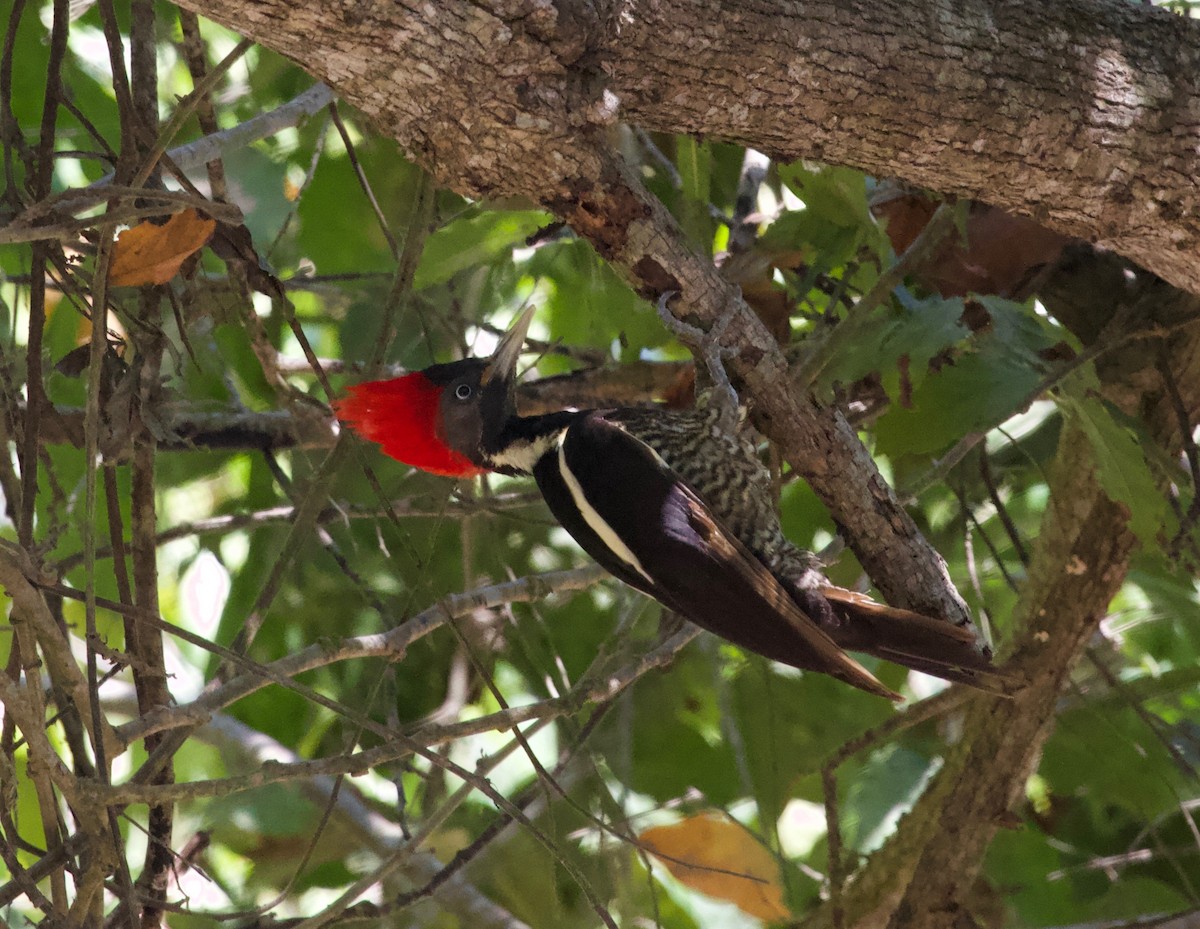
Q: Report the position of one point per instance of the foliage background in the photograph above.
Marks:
(268, 518)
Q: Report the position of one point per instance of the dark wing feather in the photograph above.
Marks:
(913, 640)
(677, 551)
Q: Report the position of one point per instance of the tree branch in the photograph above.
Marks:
(976, 100)
(388, 645)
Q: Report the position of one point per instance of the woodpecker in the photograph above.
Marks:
(668, 502)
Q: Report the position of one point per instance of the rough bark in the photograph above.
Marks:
(514, 97)
(1083, 114)
(1080, 563)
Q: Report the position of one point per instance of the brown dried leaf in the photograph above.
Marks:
(150, 254)
(235, 246)
(1003, 255)
(719, 857)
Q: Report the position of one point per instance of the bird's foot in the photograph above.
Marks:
(818, 609)
(707, 345)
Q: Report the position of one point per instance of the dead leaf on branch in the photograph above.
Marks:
(1003, 255)
(235, 246)
(719, 857)
(150, 254)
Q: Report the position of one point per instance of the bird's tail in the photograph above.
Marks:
(919, 642)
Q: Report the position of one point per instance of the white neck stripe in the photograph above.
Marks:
(594, 520)
(522, 454)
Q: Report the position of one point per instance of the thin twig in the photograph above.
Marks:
(29, 227)
(1190, 451)
(404, 509)
(493, 831)
(1010, 528)
(195, 52)
(363, 181)
(211, 147)
(392, 644)
(184, 109)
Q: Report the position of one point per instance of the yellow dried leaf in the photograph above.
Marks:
(150, 254)
(719, 857)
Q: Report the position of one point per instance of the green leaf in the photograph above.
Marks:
(1120, 463)
(338, 230)
(836, 194)
(1020, 860)
(271, 810)
(801, 514)
(1131, 897)
(644, 747)
(883, 791)
(1137, 777)
(835, 220)
(975, 393)
(472, 240)
(825, 245)
(783, 739)
(1156, 630)
(586, 303)
(891, 334)
(990, 381)
(694, 160)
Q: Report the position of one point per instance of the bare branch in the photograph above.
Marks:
(29, 606)
(214, 145)
(385, 645)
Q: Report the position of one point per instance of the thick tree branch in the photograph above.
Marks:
(1083, 114)
(924, 876)
(635, 231)
(1081, 562)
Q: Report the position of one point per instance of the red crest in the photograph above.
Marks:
(401, 414)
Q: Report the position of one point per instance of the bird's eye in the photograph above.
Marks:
(462, 391)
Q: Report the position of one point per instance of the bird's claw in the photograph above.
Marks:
(707, 345)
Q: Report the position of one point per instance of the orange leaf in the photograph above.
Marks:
(717, 856)
(150, 254)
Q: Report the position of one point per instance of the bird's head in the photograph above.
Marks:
(444, 418)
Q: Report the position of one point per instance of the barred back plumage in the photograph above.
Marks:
(725, 470)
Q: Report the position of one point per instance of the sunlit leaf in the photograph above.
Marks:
(473, 240)
(719, 857)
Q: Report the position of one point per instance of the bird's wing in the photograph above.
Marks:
(635, 516)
